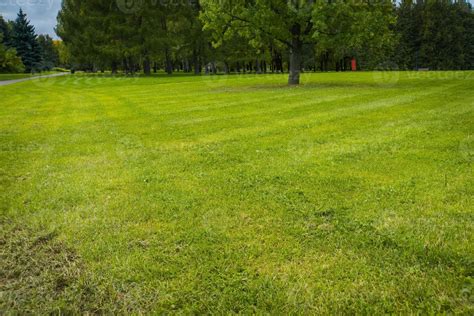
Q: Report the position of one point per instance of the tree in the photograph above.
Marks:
(49, 53)
(24, 41)
(78, 33)
(9, 61)
(468, 23)
(64, 58)
(355, 29)
(98, 34)
(294, 23)
(408, 28)
(435, 34)
(5, 30)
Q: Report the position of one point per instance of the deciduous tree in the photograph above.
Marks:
(297, 22)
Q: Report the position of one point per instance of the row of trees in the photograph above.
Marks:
(262, 35)
(435, 34)
(21, 49)
(225, 35)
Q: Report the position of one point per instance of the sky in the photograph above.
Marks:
(41, 13)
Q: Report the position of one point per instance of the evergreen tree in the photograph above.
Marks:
(468, 22)
(49, 54)
(435, 34)
(5, 30)
(408, 29)
(25, 42)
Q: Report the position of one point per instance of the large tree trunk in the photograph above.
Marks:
(196, 63)
(125, 66)
(197, 67)
(168, 64)
(295, 55)
(114, 68)
(187, 68)
(258, 69)
(132, 66)
(147, 66)
(213, 68)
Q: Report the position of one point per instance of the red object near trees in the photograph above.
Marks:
(353, 64)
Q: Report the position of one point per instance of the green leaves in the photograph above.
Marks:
(348, 27)
(435, 34)
(343, 27)
(9, 60)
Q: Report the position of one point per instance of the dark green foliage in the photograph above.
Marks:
(409, 28)
(435, 35)
(244, 37)
(49, 53)
(5, 30)
(9, 60)
(468, 19)
(257, 37)
(25, 42)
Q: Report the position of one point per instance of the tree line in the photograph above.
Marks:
(435, 34)
(22, 50)
(224, 35)
(213, 36)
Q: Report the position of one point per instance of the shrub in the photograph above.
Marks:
(59, 69)
(9, 60)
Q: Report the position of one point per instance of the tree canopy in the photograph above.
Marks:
(249, 36)
(24, 40)
(341, 26)
(435, 35)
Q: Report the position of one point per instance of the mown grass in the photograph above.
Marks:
(351, 193)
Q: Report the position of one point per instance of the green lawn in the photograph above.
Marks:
(351, 193)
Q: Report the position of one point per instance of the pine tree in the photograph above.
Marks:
(49, 53)
(4, 30)
(25, 42)
(435, 34)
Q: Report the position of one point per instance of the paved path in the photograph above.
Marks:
(8, 82)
